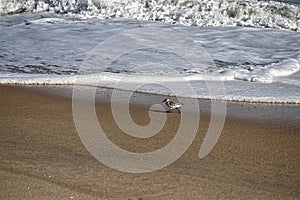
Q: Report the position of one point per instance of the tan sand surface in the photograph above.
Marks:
(42, 157)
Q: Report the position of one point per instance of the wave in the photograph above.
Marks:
(249, 13)
(50, 48)
(178, 86)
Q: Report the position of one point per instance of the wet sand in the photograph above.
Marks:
(42, 157)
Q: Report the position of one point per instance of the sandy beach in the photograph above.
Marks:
(42, 157)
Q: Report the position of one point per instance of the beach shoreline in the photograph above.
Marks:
(256, 156)
(258, 112)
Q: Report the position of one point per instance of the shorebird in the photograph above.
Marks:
(172, 105)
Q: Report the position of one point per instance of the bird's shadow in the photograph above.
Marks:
(161, 111)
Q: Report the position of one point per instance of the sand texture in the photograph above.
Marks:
(42, 157)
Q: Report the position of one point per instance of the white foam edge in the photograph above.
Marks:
(234, 91)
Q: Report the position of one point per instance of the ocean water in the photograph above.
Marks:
(249, 48)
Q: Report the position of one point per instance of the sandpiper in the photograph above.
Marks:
(172, 105)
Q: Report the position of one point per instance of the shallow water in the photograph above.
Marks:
(244, 63)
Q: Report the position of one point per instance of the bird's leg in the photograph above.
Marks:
(168, 111)
(178, 110)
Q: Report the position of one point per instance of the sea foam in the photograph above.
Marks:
(250, 13)
(253, 64)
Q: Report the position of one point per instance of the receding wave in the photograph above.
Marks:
(254, 64)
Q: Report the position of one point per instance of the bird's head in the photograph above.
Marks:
(166, 100)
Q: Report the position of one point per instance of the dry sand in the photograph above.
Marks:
(42, 157)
